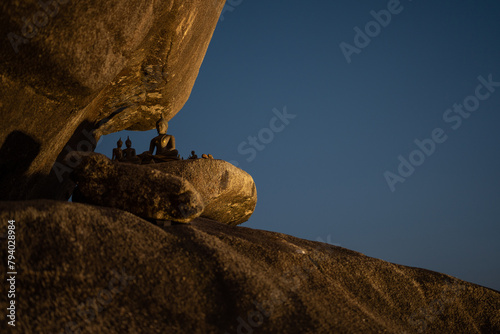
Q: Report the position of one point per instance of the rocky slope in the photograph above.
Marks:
(89, 269)
(71, 71)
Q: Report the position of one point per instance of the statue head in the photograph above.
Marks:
(162, 126)
(128, 142)
(119, 143)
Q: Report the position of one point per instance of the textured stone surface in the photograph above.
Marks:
(145, 192)
(228, 192)
(90, 65)
(102, 270)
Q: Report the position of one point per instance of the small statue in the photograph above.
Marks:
(164, 145)
(117, 152)
(193, 155)
(129, 153)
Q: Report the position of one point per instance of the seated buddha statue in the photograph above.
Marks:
(129, 153)
(164, 145)
(117, 152)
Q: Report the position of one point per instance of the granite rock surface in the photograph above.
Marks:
(145, 192)
(222, 191)
(229, 193)
(101, 270)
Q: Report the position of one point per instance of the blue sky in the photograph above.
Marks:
(321, 175)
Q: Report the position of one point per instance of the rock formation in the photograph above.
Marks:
(145, 192)
(99, 270)
(229, 193)
(213, 188)
(72, 71)
(178, 190)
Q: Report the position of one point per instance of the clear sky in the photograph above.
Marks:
(327, 168)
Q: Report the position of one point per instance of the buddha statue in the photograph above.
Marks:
(164, 145)
(129, 153)
(193, 155)
(117, 152)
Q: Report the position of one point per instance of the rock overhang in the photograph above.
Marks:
(93, 67)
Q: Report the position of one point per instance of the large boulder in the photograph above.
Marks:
(71, 71)
(91, 269)
(228, 192)
(145, 192)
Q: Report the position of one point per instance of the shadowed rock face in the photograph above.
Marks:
(80, 66)
(102, 270)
